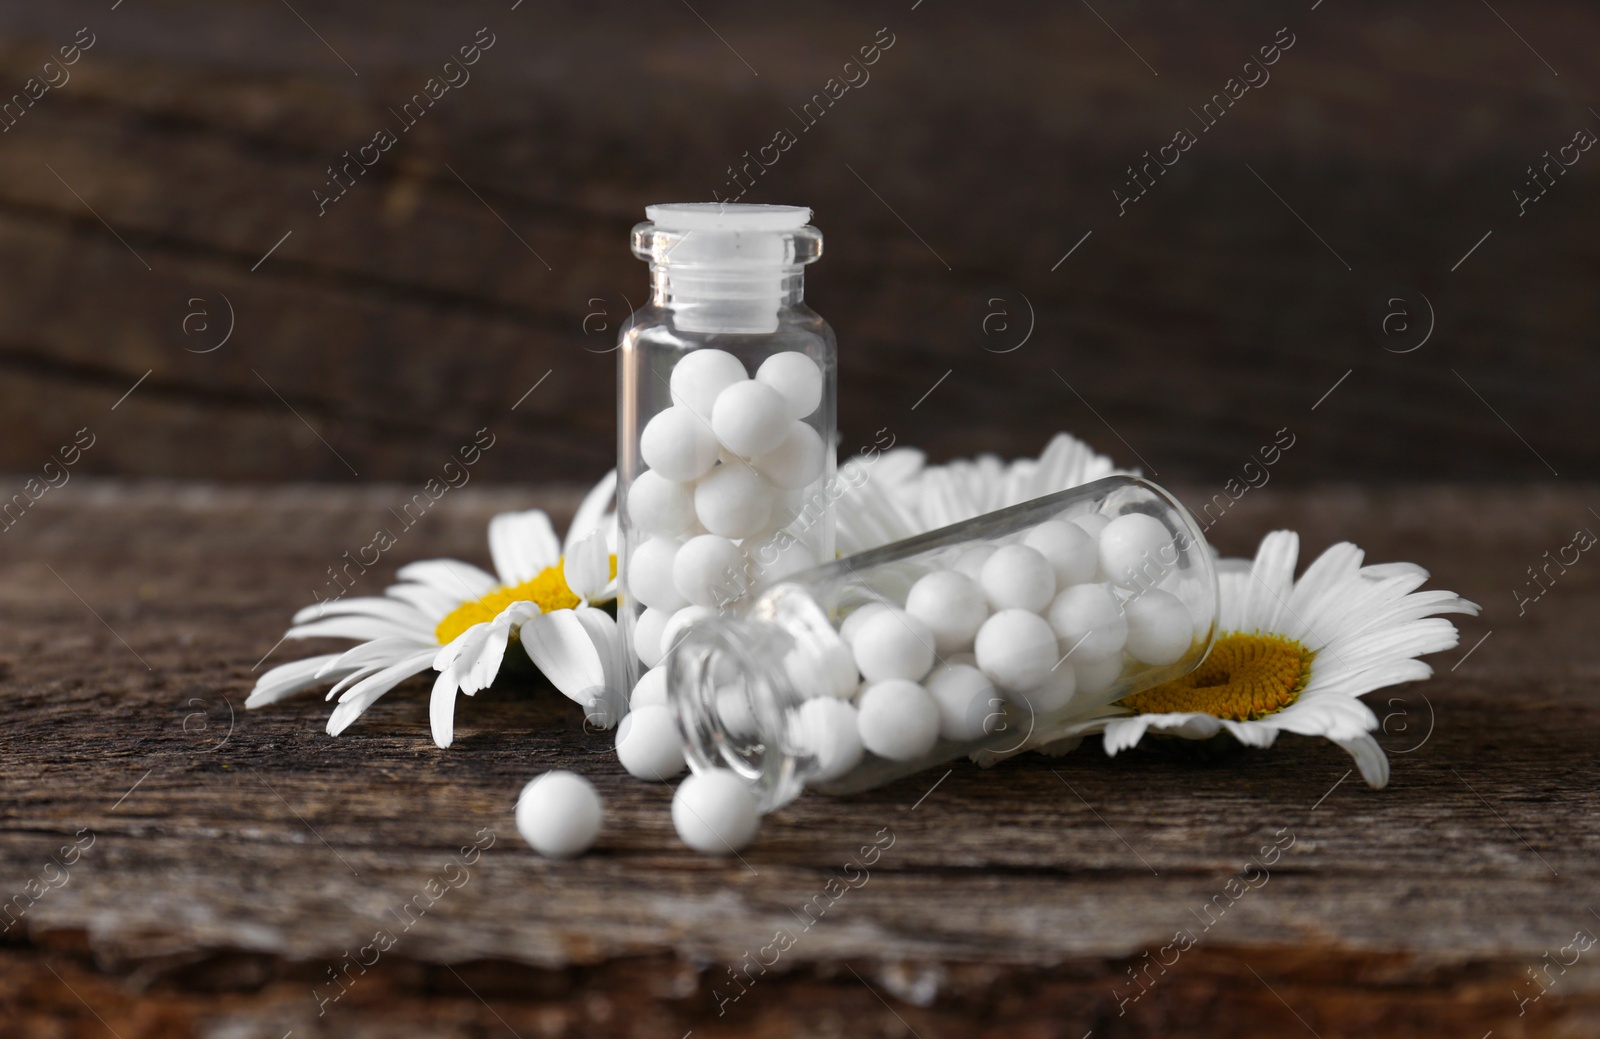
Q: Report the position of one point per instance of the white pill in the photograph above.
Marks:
(779, 556)
(1017, 577)
(797, 460)
(1093, 523)
(797, 378)
(709, 571)
(715, 812)
(648, 744)
(650, 690)
(1016, 649)
(825, 730)
(893, 644)
(750, 418)
(1096, 676)
(970, 561)
(1088, 620)
(734, 501)
(1070, 550)
(1051, 695)
(650, 575)
(1136, 550)
(952, 604)
(559, 814)
(969, 704)
(733, 708)
(853, 623)
(678, 625)
(678, 444)
(700, 375)
(839, 662)
(647, 631)
(898, 720)
(1160, 630)
(659, 506)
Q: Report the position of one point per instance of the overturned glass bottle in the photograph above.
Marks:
(878, 665)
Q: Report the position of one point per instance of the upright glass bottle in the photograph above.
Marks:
(968, 638)
(726, 392)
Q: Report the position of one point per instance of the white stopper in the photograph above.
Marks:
(559, 814)
(650, 690)
(797, 378)
(952, 605)
(750, 418)
(709, 571)
(1017, 577)
(894, 644)
(969, 704)
(797, 461)
(1070, 550)
(659, 506)
(1088, 620)
(825, 729)
(678, 445)
(1160, 630)
(700, 375)
(650, 575)
(648, 744)
(647, 631)
(1136, 550)
(715, 813)
(734, 501)
(1016, 649)
(898, 720)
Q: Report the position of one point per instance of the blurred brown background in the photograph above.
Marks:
(1307, 238)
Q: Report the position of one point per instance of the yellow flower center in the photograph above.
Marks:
(548, 591)
(1244, 678)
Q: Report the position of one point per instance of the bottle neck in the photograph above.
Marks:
(745, 300)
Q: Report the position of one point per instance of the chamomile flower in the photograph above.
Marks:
(1295, 656)
(899, 495)
(459, 620)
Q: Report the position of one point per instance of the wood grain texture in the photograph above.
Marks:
(488, 248)
(234, 863)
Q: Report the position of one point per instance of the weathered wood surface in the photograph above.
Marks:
(236, 860)
(410, 314)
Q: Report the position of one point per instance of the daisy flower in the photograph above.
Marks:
(1294, 656)
(899, 495)
(458, 620)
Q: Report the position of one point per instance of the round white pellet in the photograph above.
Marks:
(1088, 620)
(1136, 550)
(1096, 676)
(797, 378)
(734, 501)
(678, 445)
(825, 729)
(1070, 550)
(559, 814)
(709, 571)
(969, 704)
(648, 744)
(700, 375)
(1016, 649)
(780, 555)
(952, 604)
(1017, 577)
(647, 631)
(659, 506)
(898, 720)
(839, 662)
(797, 460)
(893, 644)
(1054, 693)
(733, 708)
(650, 690)
(715, 812)
(650, 575)
(1093, 523)
(679, 623)
(970, 561)
(750, 418)
(1160, 630)
(853, 623)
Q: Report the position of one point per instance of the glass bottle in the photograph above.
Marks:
(726, 407)
(881, 664)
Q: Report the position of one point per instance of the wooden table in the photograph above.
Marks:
(240, 863)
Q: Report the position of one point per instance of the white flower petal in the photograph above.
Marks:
(442, 710)
(593, 515)
(287, 679)
(523, 545)
(381, 607)
(362, 695)
(364, 628)
(1370, 759)
(561, 646)
(382, 652)
(587, 567)
(432, 603)
(450, 576)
